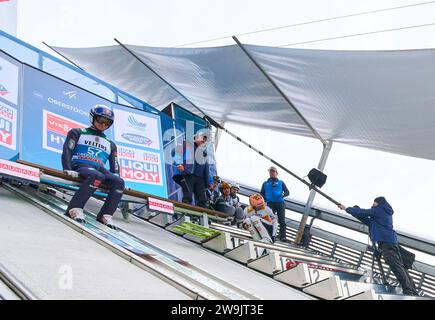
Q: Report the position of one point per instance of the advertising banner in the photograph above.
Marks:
(55, 128)
(137, 129)
(161, 206)
(9, 109)
(9, 74)
(52, 107)
(8, 126)
(20, 171)
(140, 151)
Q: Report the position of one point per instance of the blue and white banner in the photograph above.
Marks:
(140, 149)
(9, 74)
(52, 107)
(137, 129)
(9, 109)
(8, 126)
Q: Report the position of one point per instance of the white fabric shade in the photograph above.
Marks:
(382, 100)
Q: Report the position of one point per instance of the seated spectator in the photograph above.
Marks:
(233, 192)
(259, 220)
(225, 204)
(212, 192)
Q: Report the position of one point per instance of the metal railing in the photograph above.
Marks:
(15, 285)
(355, 252)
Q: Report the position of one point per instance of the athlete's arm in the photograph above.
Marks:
(68, 148)
(113, 159)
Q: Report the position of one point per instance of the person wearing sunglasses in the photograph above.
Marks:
(85, 153)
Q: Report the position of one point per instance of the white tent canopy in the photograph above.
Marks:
(382, 100)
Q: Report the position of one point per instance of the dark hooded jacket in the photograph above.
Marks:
(379, 220)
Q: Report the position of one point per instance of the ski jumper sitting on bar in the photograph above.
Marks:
(259, 220)
(84, 155)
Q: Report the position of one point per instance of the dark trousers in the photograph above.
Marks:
(193, 184)
(279, 209)
(269, 229)
(391, 254)
(92, 179)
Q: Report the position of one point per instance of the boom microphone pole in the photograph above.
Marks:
(311, 186)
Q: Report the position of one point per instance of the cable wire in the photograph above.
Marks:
(311, 22)
(358, 34)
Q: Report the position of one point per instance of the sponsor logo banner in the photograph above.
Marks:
(8, 127)
(159, 205)
(140, 166)
(19, 170)
(55, 129)
(9, 81)
(136, 129)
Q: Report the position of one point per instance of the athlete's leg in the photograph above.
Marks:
(262, 231)
(92, 179)
(116, 189)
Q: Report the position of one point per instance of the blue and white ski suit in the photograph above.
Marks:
(87, 151)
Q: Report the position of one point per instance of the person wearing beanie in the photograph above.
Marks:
(379, 219)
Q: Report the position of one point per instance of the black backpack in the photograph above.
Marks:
(408, 257)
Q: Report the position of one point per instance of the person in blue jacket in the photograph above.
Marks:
(84, 155)
(192, 170)
(379, 219)
(274, 191)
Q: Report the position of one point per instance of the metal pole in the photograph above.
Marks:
(279, 91)
(217, 125)
(70, 61)
(321, 166)
(157, 75)
(217, 136)
(16, 285)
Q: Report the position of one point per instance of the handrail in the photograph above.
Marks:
(411, 241)
(15, 285)
(134, 193)
(187, 281)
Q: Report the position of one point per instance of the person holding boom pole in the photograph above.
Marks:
(379, 219)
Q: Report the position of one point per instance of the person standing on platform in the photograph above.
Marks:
(379, 219)
(274, 191)
(192, 171)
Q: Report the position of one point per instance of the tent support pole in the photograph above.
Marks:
(218, 125)
(158, 75)
(321, 166)
(266, 75)
(69, 60)
(217, 136)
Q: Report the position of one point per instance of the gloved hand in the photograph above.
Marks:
(180, 167)
(342, 207)
(71, 173)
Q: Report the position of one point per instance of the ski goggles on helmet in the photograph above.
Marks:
(103, 120)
